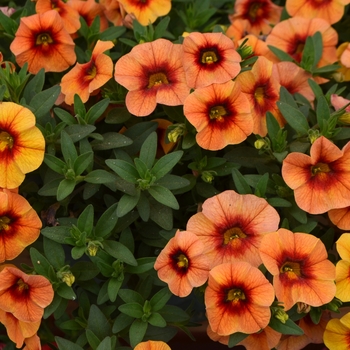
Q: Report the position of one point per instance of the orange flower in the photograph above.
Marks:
(152, 345)
(231, 227)
(293, 78)
(42, 42)
(89, 10)
(164, 147)
(153, 73)
(209, 58)
(290, 36)
(113, 11)
(343, 55)
(320, 181)
(19, 225)
(340, 218)
(337, 333)
(238, 299)
(300, 269)
(342, 279)
(262, 90)
(24, 296)
(182, 263)
(330, 10)
(69, 15)
(258, 14)
(236, 31)
(22, 145)
(146, 12)
(221, 115)
(18, 331)
(85, 78)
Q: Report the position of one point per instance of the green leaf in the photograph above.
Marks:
(172, 313)
(55, 164)
(96, 111)
(143, 207)
(285, 328)
(124, 169)
(100, 176)
(143, 265)
(279, 202)
(42, 102)
(294, 117)
(8, 24)
(262, 186)
(114, 285)
(163, 196)
(64, 344)
(78, 252)
(111, 140)
(235, 338)
(119, 251)
(68, 149)
(78, 132)
(54, 252)
(173, 182)
(40, 264)
(161, 27)
(283, 56)
(287, 97)
(142, 168)
(129, 296)
(84, 270)
(106, 344)
(98, 323)
(166, 163)
(107, 221)
(161, 214)
(137, 331)
(85, 221)
(240, 182)
(159, 299)
(148, 150)
(34, 86)
(121, 321)
(156, 320)
(93, 340)
(112, 33)
(318, 47)
(132, 309)
(308, 56)
(65, 116)
(56, 233)
(65, 188)
(66, 292)
(322, 112)
(127, 203)
(82, 162)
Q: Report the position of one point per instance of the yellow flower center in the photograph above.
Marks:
(209, 57)
(6, 140)
(43, 39)
(293, 269)
(91, 72)
(182, 261)
(217, 112)
(157, 79)
(4, 223)
(253, 10)
(21, 285)
(300, 48)
(235, 295)
(320, 168)
(259, 95)
(233, 233)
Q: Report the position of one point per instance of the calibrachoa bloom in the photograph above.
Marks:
(22, 144)
(231, 226)
(42, 41)
(300, 268)
(152, 345)
(330, 10)
(343, 55)
(342, 278)
(258, 14)
(262, 90)
(340, 217)
(221, 115)
(146, 12)
(153, 73)
(24, 296)
(209, 58)
(290, 36)
(182, 263)
(320, 181)
(337, 333)
(19, 225)
(85, 78)
(238, 299)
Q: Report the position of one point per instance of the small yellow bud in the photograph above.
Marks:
(208, 176)
(281, 315)
(260, 143)
(92, 249)
(178, 131)
(313, 135)
(68, 278)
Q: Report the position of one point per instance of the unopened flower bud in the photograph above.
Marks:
(68, 278)
(345, 118)
(303, 308)
(245, 51)
(313, 135)
(260, 143)
(208, 176)
(281, 315)
(178, 131)
(93, 248)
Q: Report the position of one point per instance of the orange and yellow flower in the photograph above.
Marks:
(24, 296)
(146, 12)
(259, 15)
(238, 299)
(262, 90)
(300, 268)
(221, 115)
(69, 15)
(182, 263)
(340, 217)
(209, 58)
(321, 181)
(83, 79)
(22, 145)
(231, 227)
(337, 333)
(342, 279)
(290, 36)
(153, 73)
(19, 225)
(330, 10)
(42, 41)
(152, 345)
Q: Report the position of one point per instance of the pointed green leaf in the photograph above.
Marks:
(163, 196)
(149, 149)
(124, 169)
(294, 117)
(166, 163)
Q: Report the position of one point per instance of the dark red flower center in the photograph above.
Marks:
(43, 39)
(235, 295)
(209, 56)
(157, 79)
(320, 168)
(21, 286)
(91, 72)
(292, 268)
(6, 140)
(4, 223)
(217, 112)
(254, 11)
(232, 234)
(181, 262)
